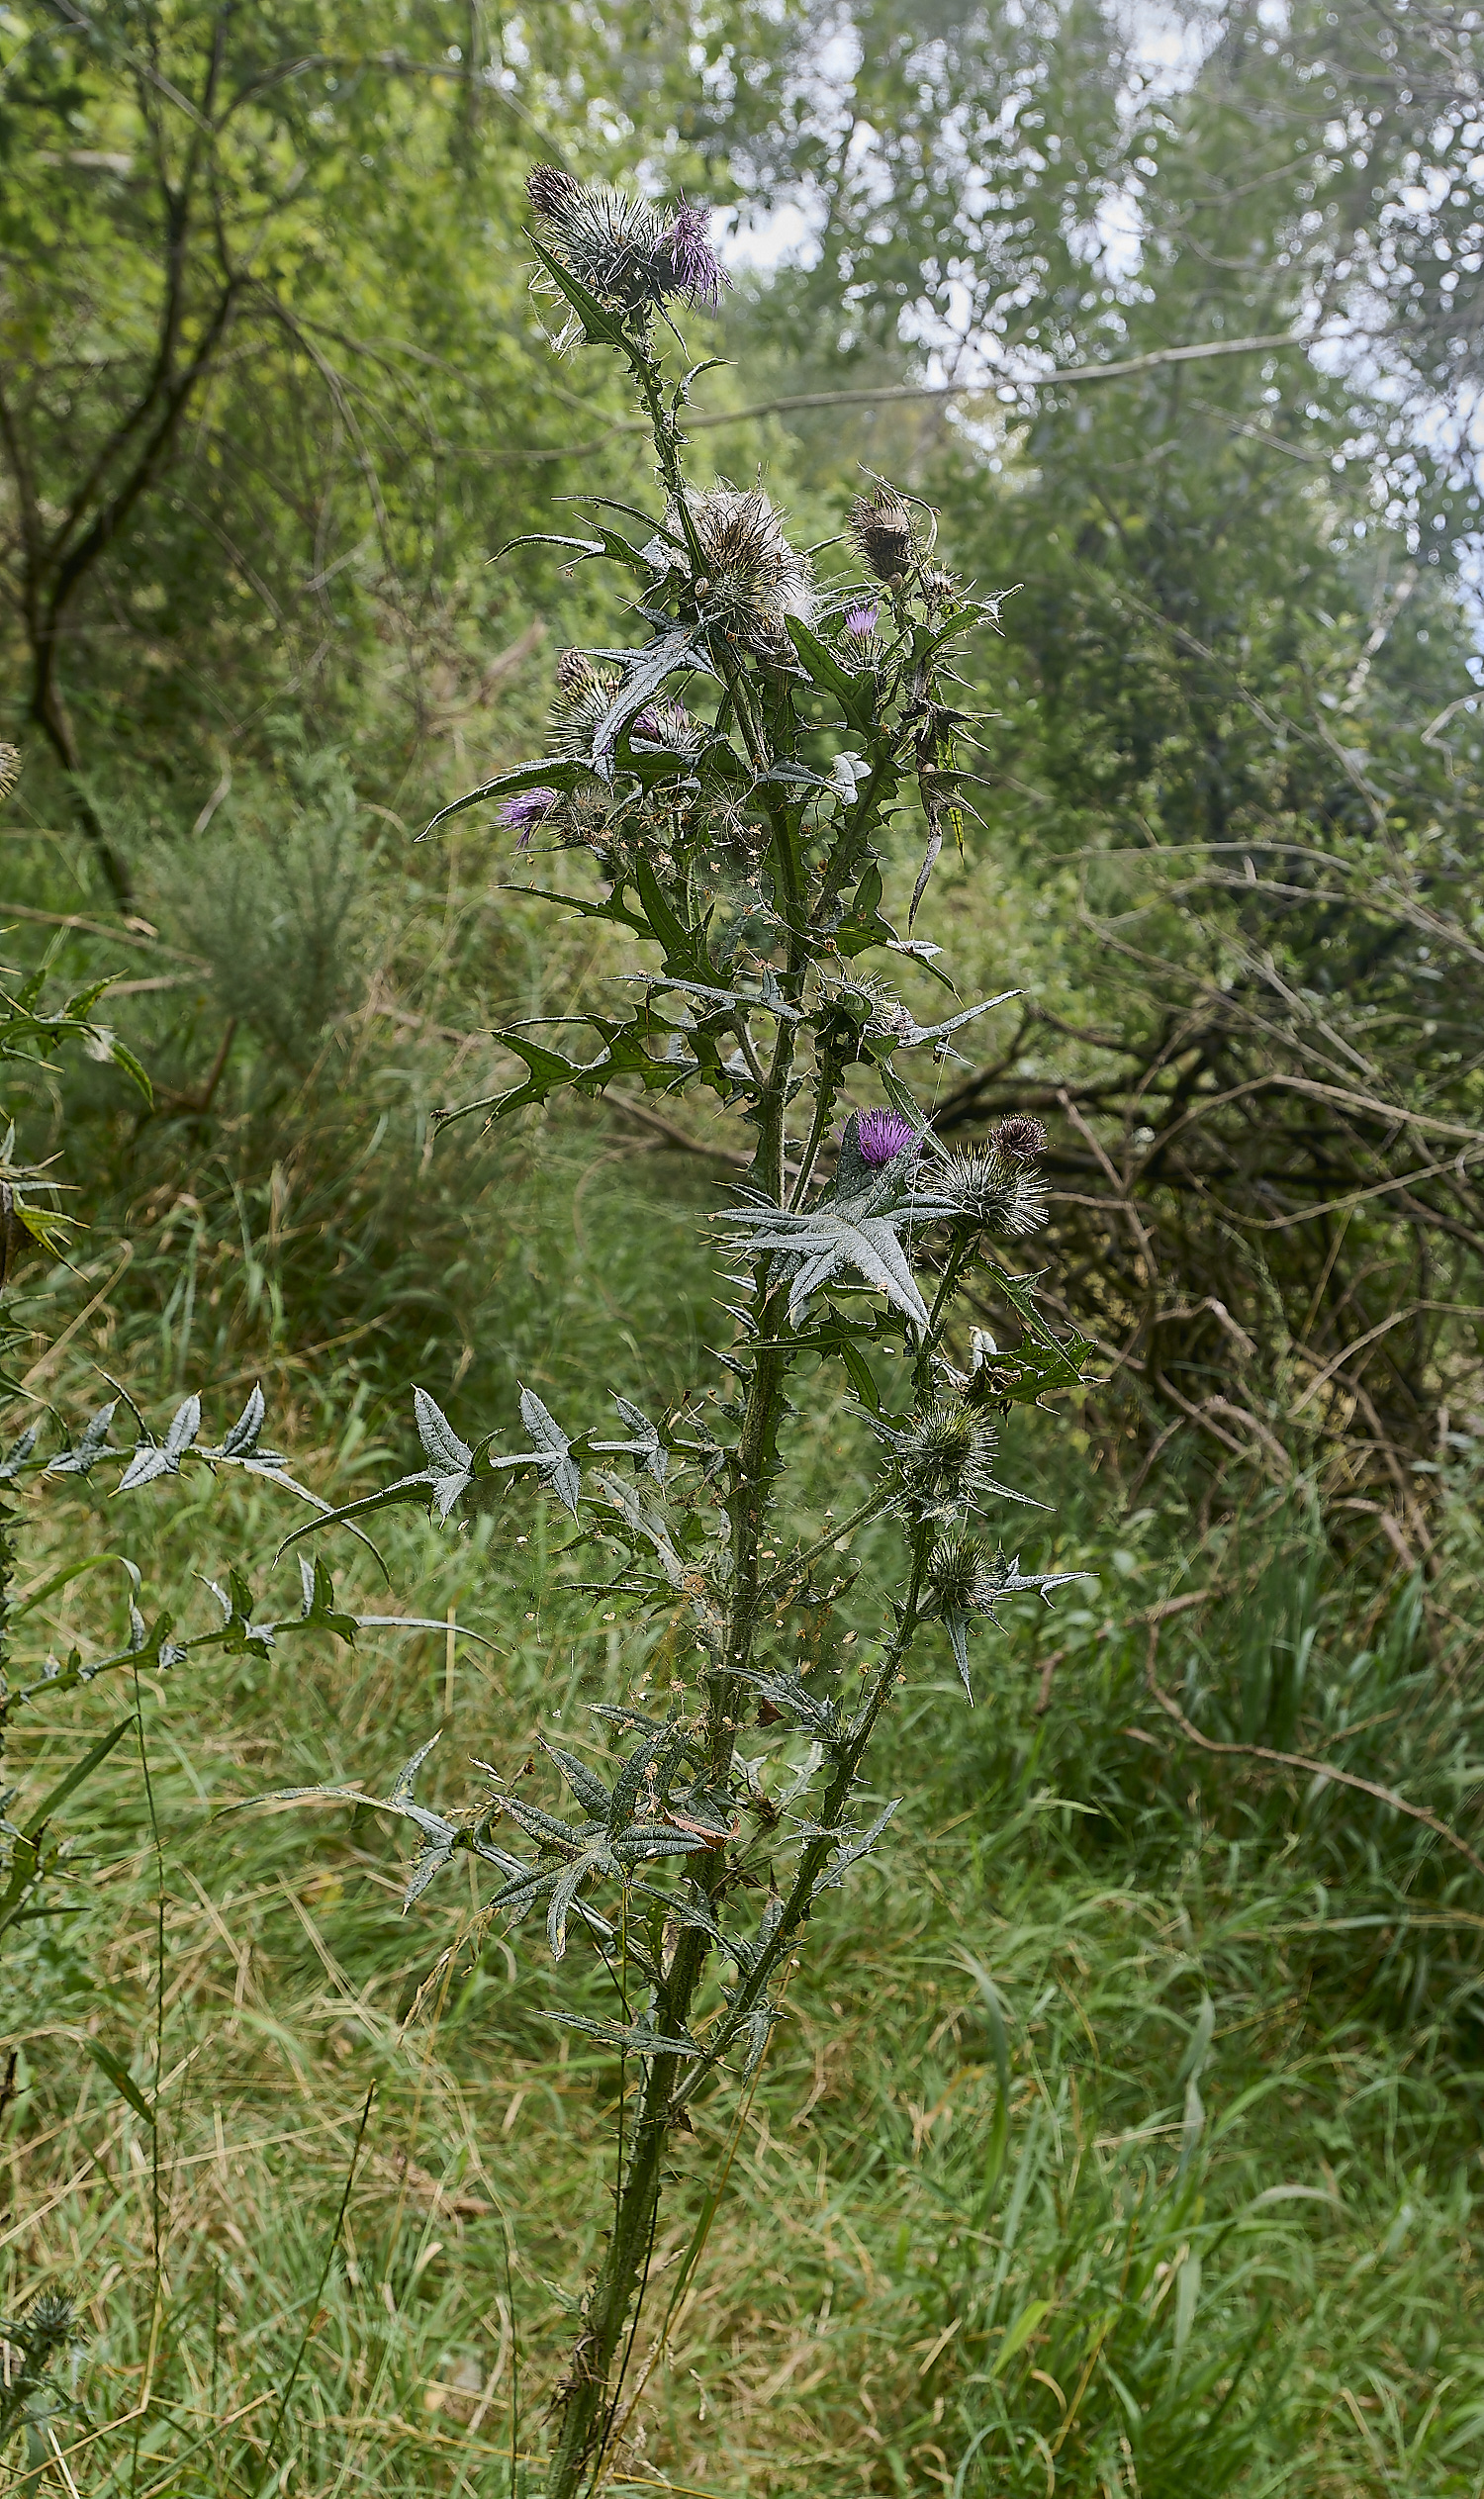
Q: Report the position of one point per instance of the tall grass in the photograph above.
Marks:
(1121, 2138)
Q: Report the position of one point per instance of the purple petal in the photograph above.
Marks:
(688, 260)
(884, 1135)
(861, 623)
(528, 809)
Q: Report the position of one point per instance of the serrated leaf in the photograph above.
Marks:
(553, 1450)
(185, 1423)
(78, 1460)
(632, 2042)
(241, 1440)
(588, 1790)
(449, 1455)
(549, 772)
(18, 1453)
(825, 670)
(147, 1462)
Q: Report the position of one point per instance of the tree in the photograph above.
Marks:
(267, 357)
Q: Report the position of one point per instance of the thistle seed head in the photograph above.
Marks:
(1020, 1138)
(992, 1192)
(944, 1458)
(9, 769)
(881, 524)
(753, 577)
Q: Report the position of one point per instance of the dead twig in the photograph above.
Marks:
(1293, 1761)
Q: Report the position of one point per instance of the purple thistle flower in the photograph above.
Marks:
(528, 809)
(861, 623)
(884, 1135)
(687, 260)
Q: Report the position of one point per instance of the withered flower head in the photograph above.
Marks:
(1020, 1138)
(881, 524)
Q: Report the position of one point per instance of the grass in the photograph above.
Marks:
(1123, 2137)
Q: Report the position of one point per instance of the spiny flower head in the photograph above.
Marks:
(961, 1578)
(753, 577)
(584, 694)
(872, 1005)
(667, 725)
(992, 1192)
(884, 1135)
(528, 809)
(860, 621)
(624, 252)
(944, 1458)
(881, 524)
(9, 769)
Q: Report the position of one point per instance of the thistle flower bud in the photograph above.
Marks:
(584, 694)
(574, 673)
(1020, 1138)
(881, 527)
(992, 1192)
(944, 1458)
(961, 1579)
(550, 191)
(9, 769)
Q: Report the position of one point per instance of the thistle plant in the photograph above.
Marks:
(732, 780)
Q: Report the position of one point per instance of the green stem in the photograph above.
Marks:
(817, 1851)
(588, 2396)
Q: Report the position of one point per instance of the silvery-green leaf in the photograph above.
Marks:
(646, 675)
(564, 1897)
(185, 1423)
(637, 2041)
(149, 1462)
(78, 1460)
(828, 1239)
(18, 1453)
(588, 1790)
(241, 1440)
(553, 1450)
(434, 1853)
(852, 1850)
(449, 1455)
